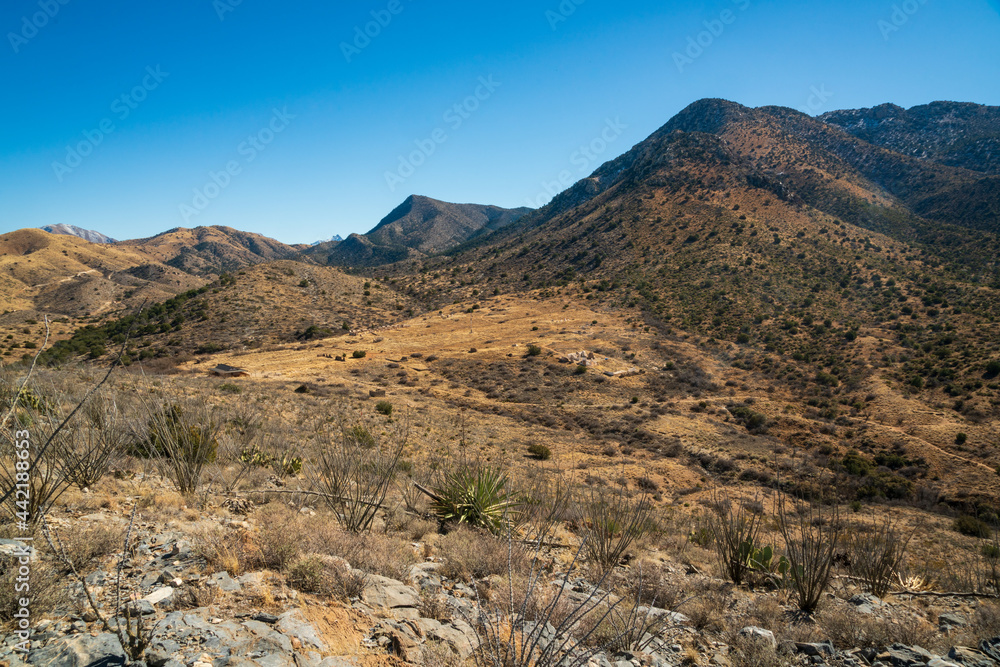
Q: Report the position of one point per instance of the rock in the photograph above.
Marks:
(159, 595)
(952, 620)
(759, 634)
(224, 582)
(906, 656)
(991, 647)
(384, 592)
(940, 662)
(264, 617)
(970, 657)
(865, 603)
(818, 649)
(291, 624)
(141, 607)
(16, 549)
(80, 651)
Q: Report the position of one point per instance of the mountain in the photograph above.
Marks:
(794, 249)
(949, 133)
(420, 226)
(67, 275)
(205, 251)
(85, 234)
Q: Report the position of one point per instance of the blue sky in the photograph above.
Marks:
(132, 118)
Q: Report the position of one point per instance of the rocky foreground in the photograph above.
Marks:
(197, 617)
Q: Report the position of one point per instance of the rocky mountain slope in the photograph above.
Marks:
(211, 250)
(950, 133)
(85, 234)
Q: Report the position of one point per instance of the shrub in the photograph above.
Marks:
(735, 532)
(613, 523)
(961, 439)
(876, 552)
(359, 354)
(472, 555)
(355, 472)
(993, 368)
(534, 350)
(183, 443)
(384, 408)
(811, 541)
(230, 388)
(971, 526)
(539, 451)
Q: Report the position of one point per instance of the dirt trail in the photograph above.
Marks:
(65, 280)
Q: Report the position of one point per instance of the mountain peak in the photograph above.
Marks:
(85, 234)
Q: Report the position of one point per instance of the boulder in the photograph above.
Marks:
(385, 592)
(104, 650)
(759, 634)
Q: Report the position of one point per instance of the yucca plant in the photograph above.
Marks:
(477, 497)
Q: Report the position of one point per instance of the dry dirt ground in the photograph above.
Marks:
(469, 370)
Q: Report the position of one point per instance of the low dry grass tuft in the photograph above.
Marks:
(470, 554)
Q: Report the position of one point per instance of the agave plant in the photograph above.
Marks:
(478, 497)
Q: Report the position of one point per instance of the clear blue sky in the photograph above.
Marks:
(231, 71)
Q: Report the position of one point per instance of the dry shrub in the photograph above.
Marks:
(275, 542)
(984, 624)
(325, 575)
(434, 605)
(47, 590)
(765, 611)
(384, 555)
(848, 628)
(652, 585)
(438, 654)
(470, 554)
(85, 544)
(750, 652)
(707, 610)
(876, 551)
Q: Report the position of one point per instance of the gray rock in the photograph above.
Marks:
(816, 649)
(970, 657)
(759, 634)
(991, 647)
(952, 620)
(384, 592)
(866, 603)
(159, 595)
(291, 624)
(264, 617)
(224, 582)
(141, 607)
(104, 650)
(907, 656)
(940, 662)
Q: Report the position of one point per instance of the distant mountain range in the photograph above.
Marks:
(336, 238)
(85, 234)
(418, 227)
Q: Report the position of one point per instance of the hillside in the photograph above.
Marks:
(745, 229)
(419, 226)
(66, 275)
(274, 303)
(205, 251)
(949, 133)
